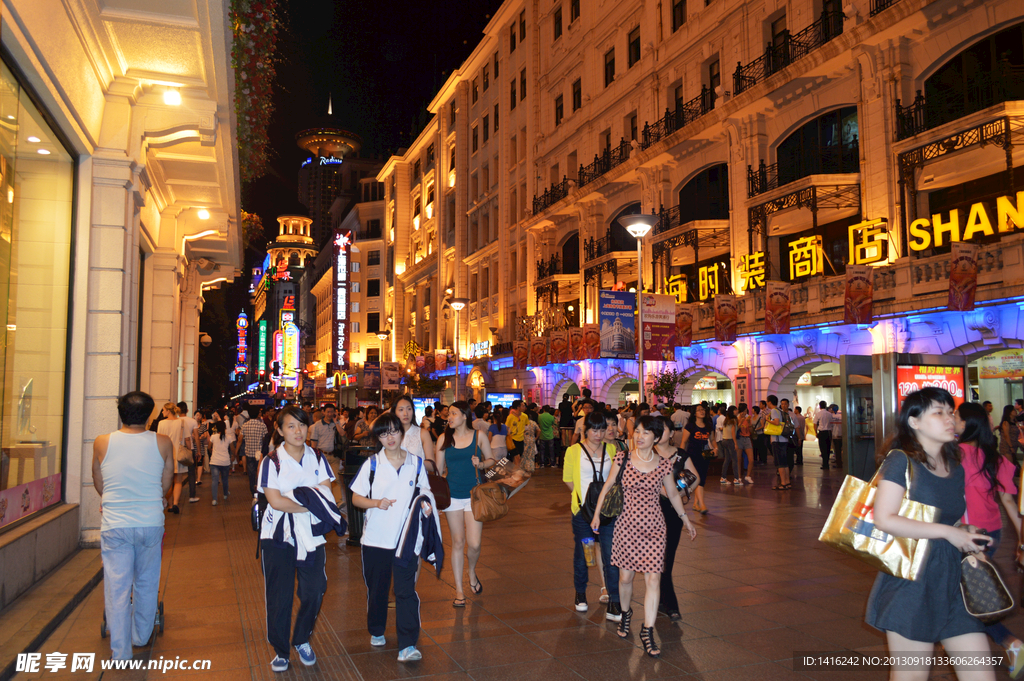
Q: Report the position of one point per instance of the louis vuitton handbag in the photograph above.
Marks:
(984, 591)
(851, 527)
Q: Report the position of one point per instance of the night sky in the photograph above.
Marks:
(381, 62)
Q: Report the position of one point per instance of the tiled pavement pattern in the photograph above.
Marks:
(753, 588)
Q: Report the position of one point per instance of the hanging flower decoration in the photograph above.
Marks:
(255, 24)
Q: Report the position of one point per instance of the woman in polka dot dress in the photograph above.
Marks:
(638, 544)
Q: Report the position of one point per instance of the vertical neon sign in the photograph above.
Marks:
(242, 326)
(340, 311)
(262, 348)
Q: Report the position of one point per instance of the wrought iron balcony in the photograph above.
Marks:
(552, 195)
(833, 160)
(604, 162)
(791, 47)
(669, 219)
(549, 268)
(595, 248)
(1005, 84)
(881, 5)
(674, 120)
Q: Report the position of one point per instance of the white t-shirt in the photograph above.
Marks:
(837, 426)
(719, 427)
(587, 471)
(188, 426)
(383, 527)
(579, 430)
(412, 442)
(309, 473)
(679, 418)
(221, 456)
(481, 425)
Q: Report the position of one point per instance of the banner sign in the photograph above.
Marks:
(391, 375)
(910, 379)
(860, 293)
(440, 360)
(22, 500)
(421, 364)
(340, 299)
(659, 326)
(428, 363)
(963, 276)
(371, 375)
(560, 346)
(727, 318)
(538, 351)
(520, 354)
(685, 313)
(777, 304)
(577, 351)
(1002, 364)
(618, 325)
(591, 341)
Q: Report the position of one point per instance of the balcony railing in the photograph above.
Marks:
(791, 47)
(835, 160)
(881, 5)
(669, 219)
(1005, 84)
(549, 268)
(595, 248)
(674, 120)
(552, 195)
(611, 157)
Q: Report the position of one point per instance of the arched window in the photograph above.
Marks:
(571, 255)
(621, 239)
(825, 146)
(706, 196)
(986, 73)
(293, 259)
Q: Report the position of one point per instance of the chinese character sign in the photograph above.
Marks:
(618, 324)
(708, 281)
(676, 286)
(242, 326)
(868, 241)
(340, 330)
(963, 277)
(752, 271)
(659, 322)
(805, 257)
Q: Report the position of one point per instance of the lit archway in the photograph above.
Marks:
(784, 380)
(692, 377)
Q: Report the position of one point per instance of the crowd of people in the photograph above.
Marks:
(641, 461)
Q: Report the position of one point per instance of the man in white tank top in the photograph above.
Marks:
(132, 470)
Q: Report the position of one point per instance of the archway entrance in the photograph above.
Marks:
(712, 388)
(816, 384)
(620, 390)
(997, 377)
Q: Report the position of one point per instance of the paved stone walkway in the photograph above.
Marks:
(755, 587)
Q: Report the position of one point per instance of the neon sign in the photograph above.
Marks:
(925, 233)
(290, 355)
(242, 326)
(262, 348)
(340, 331)
(278, 352)
(324, 161)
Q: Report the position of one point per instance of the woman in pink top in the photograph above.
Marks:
(988, 480)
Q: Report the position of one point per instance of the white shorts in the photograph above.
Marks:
(459, 505)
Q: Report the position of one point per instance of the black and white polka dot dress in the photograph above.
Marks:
(639, 540)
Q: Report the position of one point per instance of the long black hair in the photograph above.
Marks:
(449, 432)
(914, 406)
(296, 413)
(404, 398)
(1008, 415)
(218, 428)
(977, 432)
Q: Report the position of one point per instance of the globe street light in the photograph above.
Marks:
(638, 226)
(457, 305)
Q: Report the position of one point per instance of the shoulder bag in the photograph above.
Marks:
(614, 499)
(588, 505)
(850, 527)
(182, 454)
(487, 499)
(439, 488)
(984, 591)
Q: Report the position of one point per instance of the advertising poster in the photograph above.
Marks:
(860, 293)
(538, 351)
(18, 502)
(776, 307)
(428, 363)
(685, 313)
(421, 364)
(727, 318)
(963, 276)
(591, 341)
(508, 475)
(659, 326)
(520, 354)
(559, 347)
(391, 375)
(371, 375)
(910, 379)
(440, 360)
(308, 389)
(1002, 364)
(577, 351)
(618, 324)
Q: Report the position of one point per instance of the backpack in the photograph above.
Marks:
(788, 429)
(259, 501)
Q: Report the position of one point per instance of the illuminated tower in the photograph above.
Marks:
(321, 178)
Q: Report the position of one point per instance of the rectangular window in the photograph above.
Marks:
(487, 77)
(512, 38)
(372, 258)
(632, 127)
(634, 46)
(512, 161)
(373, 288)
(355, 327)
(476, 139)
(512, 95)
(495, 66)
(372, 322)
(355, 264)
(372, 354)
(577, 94)
(557, 19)
(678, 14)
(355, 286)
(430, 155)
(475, 90)
(522, 85)
(559, 110)
(451, 159)
(417, 170)
(678, 96)
(714, 79)
(452, 114)
(355, 307)
(486, 126)
(574, 10)
(778, 28)
(495, 117)
(609, 67)
(373, 229)
(522, 26)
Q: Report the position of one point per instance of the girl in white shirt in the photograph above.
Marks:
(415, 440)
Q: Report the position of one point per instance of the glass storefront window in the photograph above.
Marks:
(36, 189)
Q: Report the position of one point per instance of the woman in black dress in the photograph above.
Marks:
(669, 603)
(915, 615)
(696, 437)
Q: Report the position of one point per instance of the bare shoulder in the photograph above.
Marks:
(99, 445)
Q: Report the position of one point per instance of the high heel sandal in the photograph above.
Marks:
(647, 639)
(623, 630)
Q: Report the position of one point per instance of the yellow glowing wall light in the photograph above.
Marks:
(924, 232)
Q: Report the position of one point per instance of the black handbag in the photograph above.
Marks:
(589, 505)
(613, 501)
(984, 591)
(686, 481)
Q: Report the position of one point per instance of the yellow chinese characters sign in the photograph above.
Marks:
(708, 280)
(868, 241)
(752, 271)
(938, 232)
(675, 285)
(805, 257)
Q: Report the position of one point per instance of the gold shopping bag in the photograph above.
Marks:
(851, 528)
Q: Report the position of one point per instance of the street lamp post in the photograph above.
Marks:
(383, 336)
(457, 305)
(638, 226)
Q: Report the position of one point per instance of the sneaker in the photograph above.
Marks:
(377, 641)
(193, 500)
(410, 654)
(306, 654)
(581, 601)
(614, 613)
(723, 481)
(1014, 659)
(214, 502)
(279, 664)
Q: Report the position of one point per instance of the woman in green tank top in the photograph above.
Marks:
(462, 454)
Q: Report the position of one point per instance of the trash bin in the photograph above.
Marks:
(355, 456)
